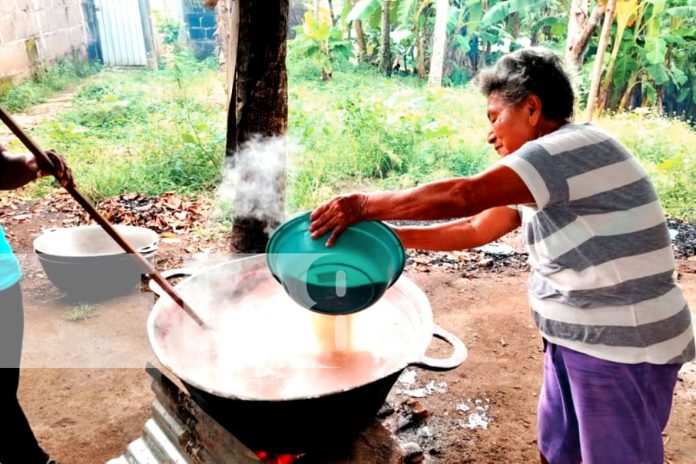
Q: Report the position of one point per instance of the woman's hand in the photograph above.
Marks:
(337, 214)
(61, 171)
(21, 169)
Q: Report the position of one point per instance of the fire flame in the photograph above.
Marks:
(269, 458)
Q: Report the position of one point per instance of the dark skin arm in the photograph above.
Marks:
(496, 187)
(17, 170)
(470, 232)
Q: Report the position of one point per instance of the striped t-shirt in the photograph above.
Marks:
(602, 262)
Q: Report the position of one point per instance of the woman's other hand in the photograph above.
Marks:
(61, 171)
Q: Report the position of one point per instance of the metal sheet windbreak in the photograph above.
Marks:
(179, 432)
(121, 31)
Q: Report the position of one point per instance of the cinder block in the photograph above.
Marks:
(7, 6)
(43, 19)
(56, 19)
(197, 33)
(193, 20)
(24, 5)
(25, 25)
(75, 16)
(7, 28)
(14, 59)
(55, 44)
(208, 20)
(78, 37)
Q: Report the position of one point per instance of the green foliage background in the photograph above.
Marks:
(156, 131)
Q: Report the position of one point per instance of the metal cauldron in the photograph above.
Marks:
(282, 378)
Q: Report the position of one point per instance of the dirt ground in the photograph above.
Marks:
(87, 395)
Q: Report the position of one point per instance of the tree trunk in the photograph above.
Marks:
(515, 25)
(228, 33)
(317, 7)
(420, 55)
(360, 37)
(437, 60)
(576, 21)
(483, 57)
(580, 30)
(385, 59)
(259, 107)
(599, 59)
(626, 98)
(331, 13)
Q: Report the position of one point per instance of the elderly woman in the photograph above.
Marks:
(18, 444)
(616, 327)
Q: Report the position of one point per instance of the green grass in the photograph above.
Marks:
(156, 131)
(44, 84)
(80, 312)
(143, 131)
(665, 148)
(362, 130)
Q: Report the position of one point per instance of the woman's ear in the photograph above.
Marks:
(534, 109)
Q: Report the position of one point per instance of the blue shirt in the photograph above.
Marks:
(9, 266)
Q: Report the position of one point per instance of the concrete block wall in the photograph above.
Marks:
(202, 26)
(36, 32)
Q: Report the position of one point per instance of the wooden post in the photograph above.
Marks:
(385, 59)
(259, 103)
(144, 6)
(599, 59)
(439, 44)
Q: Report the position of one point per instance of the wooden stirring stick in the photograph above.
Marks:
(46, 165)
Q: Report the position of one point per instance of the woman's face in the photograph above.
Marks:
(511, 125)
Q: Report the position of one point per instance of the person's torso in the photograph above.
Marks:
(601, 255)
(10, 272)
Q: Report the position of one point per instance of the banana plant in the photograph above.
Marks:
(653, 53)
(322, 43)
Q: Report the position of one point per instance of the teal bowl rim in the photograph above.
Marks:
(305, 215)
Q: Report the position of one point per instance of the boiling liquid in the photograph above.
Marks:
(265, 346)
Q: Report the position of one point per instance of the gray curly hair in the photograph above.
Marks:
(532, 70)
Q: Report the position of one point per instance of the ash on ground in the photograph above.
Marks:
(683, 238)
(508, 255)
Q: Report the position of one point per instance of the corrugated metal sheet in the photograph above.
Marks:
(121, 31)
(179, 432)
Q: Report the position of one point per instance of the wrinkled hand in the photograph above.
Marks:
(337, 214)
(61, 171)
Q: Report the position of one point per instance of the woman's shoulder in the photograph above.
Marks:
(574, 138)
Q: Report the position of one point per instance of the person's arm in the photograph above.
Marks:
(17, 170)
(446, 199)
(466, 233)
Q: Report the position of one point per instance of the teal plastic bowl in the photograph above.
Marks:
(352, 275)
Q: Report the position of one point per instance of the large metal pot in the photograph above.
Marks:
(282, 378)
(87, 264)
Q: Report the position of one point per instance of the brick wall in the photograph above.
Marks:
(35, 32)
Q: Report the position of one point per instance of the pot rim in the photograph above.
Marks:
(428, 330)
(40, 247)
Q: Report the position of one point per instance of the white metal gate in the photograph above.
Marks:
(121, 32)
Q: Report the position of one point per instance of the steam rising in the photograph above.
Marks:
(254, 180)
